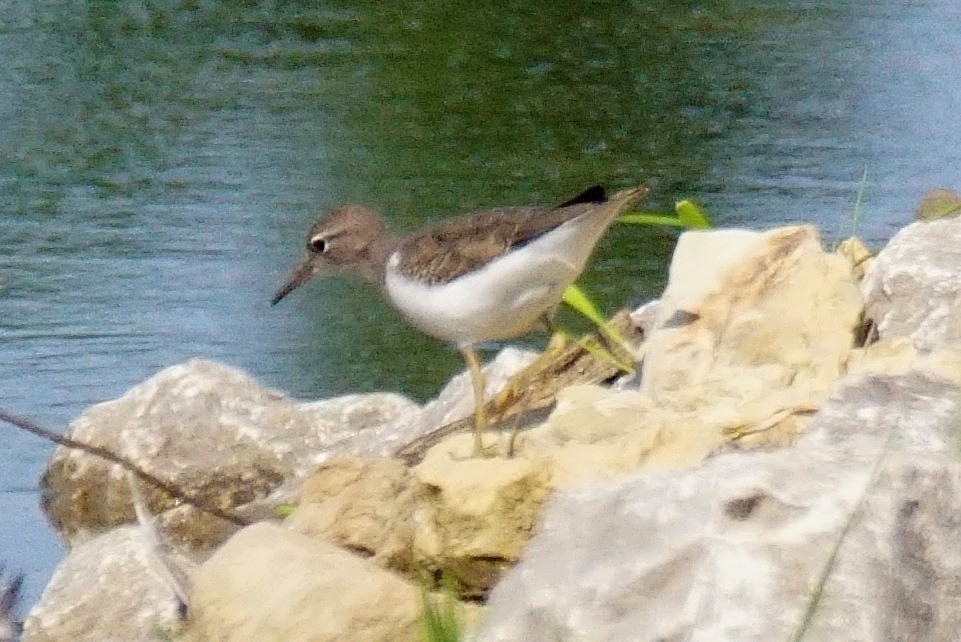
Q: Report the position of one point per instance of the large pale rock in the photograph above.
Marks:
(270, 584)
(108, 589)
(760, 320)
(596, 431)
(912, 288)
(733, 549)
(168, 425)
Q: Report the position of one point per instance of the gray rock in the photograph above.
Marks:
(203, 426)
(923, 579)
(912, 287)
(734, 549)
(107, 589)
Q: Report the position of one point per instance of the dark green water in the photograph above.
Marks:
(160, 162)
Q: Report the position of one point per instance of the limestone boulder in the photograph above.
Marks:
(203, 426)
(107, 589)
(270, 584)
(474, 516)
(912, 288)
(855, 524)
(759, 320)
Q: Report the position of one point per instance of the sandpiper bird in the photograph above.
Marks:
(484, 276)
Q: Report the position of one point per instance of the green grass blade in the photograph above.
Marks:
(687, 215)
(440, 621)
(651, 219)
(817, 591)
(691, 216)
(575, 297)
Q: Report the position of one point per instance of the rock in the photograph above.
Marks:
(595, 432)
(925, 556)
(467, 518)
(731, 550)
(474, 515)
(859, 257)
(751, 318)
(107, 589)
(896, 355)
(362, 505)
(912, 288)
(167, 425)
(269, 584)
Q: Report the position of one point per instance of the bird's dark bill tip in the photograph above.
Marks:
(294, 281)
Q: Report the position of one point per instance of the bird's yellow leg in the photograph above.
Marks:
(477, 381)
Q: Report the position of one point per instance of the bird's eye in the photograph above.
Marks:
(317, 244)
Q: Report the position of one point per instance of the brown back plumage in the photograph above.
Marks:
(444, 252)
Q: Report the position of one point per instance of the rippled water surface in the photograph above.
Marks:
(161, 160)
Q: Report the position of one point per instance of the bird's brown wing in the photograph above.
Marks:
(460, 245)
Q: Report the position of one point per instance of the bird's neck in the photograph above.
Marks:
(374, 263)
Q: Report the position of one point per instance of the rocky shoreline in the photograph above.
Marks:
(786, 461)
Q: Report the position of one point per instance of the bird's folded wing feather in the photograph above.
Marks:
(464, 244)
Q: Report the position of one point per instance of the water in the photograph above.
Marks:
(161, 160)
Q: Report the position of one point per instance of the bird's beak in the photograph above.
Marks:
(297, 278)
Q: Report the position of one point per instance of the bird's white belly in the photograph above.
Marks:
(502, 300)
